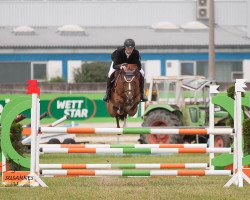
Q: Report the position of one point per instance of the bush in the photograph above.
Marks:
(230, 93)
(57, 79)
(92, 72)
(16, 137)
(246, 123)
(246, 136)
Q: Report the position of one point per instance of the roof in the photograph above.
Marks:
(105, 37)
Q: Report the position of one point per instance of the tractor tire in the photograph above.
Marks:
(222, 141)
(54, 141)
(161, 118)
(69, 141)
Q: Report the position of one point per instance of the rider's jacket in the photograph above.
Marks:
(119, 57)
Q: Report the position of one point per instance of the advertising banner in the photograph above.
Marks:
(76, 107)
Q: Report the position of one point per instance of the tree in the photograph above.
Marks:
(92, 72)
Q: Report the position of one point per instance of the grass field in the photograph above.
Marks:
(128, 188)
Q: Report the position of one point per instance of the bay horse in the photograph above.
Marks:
(125, 94)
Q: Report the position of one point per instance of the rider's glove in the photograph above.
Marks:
(123, 66)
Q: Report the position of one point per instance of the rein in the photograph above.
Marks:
(117, 79)
(129, 83)
(121, 74)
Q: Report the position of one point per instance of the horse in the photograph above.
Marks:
(125, 94)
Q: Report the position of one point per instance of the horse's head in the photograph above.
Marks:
(129, 83)
(131, 67)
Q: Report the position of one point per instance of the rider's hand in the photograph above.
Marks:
(123, 66)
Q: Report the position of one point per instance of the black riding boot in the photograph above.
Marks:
(108, 90)
(143, 96)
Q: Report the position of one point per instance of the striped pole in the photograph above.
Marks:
(135, 172)
(123, 145)
(135, 150)
(126, 166)
(212, 91)
(59, 121)
(82, 130)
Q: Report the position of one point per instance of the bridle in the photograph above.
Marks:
(131, 86)
(129, 90)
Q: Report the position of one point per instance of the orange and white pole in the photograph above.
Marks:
(135, 172)
(164, 131)
(123, 146)
(126, 166)
(135, 150)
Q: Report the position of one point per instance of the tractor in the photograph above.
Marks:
(180, 101)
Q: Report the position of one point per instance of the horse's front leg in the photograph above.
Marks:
(120, 111)
(117, 122)
(125, 122)
(119, 105)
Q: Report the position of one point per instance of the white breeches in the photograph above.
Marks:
(111, 70)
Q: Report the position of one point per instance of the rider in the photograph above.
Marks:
(126, 54)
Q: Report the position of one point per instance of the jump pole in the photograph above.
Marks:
(239, 176)
(28, 139)
(126, 166)
(135, 150)
(34, 160)
(135, 172)
(212, 91)
(124, 131)
(123, 146)
(4, 166)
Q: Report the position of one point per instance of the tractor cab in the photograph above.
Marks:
(178, 90)
(176, 101)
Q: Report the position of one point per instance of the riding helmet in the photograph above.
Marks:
(129, 43)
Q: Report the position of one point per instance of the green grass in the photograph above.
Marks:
(125, 187)
(64, 158)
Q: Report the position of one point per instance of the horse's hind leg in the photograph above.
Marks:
(117, 122)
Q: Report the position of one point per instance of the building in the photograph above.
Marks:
(172, 36)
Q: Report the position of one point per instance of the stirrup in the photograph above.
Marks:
(144, 98)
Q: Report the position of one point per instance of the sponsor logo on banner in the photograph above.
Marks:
(16, 177)
(78, 108)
